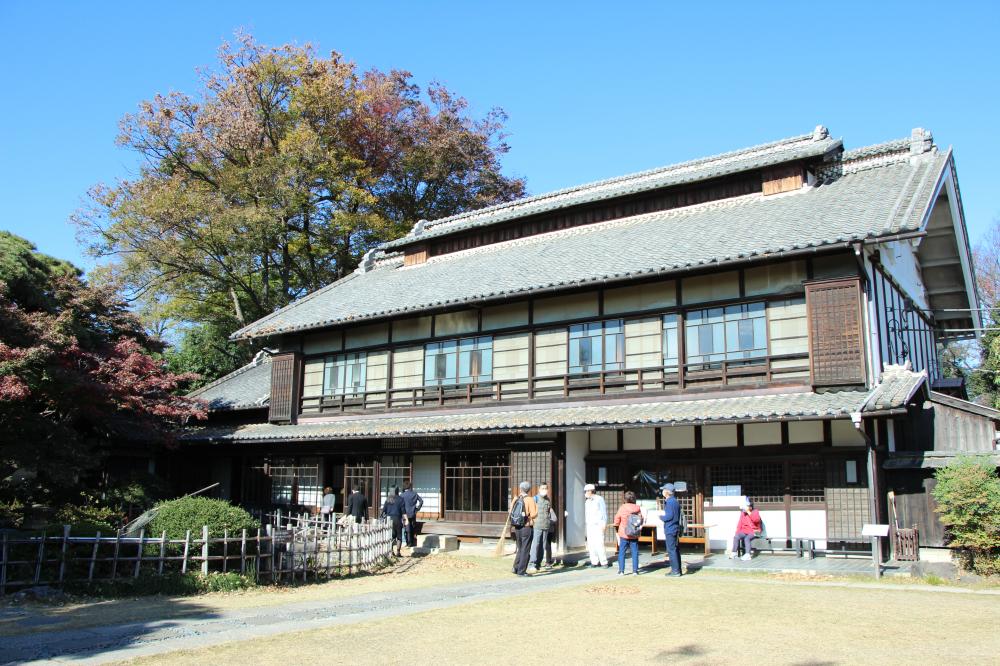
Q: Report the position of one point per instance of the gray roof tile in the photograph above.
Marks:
(610, 413)
(795, 148)
(246, 388)
(885, 192)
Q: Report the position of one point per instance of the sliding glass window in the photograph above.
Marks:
(732, 333)
(467, 361)
(596, 346)
(344, 374)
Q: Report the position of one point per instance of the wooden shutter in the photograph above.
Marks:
(836, 333)
(414, 256)
(284, 388)
(784, 178)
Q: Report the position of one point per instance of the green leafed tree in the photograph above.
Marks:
(278, 174)
(968, 498)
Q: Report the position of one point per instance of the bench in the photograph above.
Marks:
(801, 547)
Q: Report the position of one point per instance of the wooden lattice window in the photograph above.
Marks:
(807, 481)
(284, 387)
(764, 483)
(836, 335)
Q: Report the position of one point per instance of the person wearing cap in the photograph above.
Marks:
(671, 528)
(523, 534)
(596, 520)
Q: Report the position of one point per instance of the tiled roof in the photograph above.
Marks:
(897, 386)
(611, 413)
(885, 191)
(816, 144)
(246, 388)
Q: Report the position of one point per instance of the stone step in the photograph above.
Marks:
(435, 543)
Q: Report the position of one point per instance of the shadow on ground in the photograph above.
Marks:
(84, 628)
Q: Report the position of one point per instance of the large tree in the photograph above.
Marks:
(279, 174)
(984, 379)
(77, 374)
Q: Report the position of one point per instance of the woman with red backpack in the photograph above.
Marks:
(629, 521)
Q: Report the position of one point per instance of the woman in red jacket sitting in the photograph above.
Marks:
(747, 528)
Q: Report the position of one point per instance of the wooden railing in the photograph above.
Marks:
(748, 372)
(286, 548)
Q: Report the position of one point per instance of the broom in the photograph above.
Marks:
(503, 537)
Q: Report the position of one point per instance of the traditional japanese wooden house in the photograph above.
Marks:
(765, 322)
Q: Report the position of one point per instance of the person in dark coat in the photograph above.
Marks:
(412, 503)
(357, 505)
(671, 528)
(393, 510)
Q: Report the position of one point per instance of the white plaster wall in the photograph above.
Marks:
(723, 522)
(638, 438)
(427, 481)
(900, 260)
(810, 524)
(576, 477)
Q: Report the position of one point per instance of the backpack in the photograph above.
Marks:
(517, 513)
(633, 526)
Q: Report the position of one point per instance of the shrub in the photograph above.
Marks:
(11, 513)
(178, 516)
(968, 499)
(86, 518)
(177, 584)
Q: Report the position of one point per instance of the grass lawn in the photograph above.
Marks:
(409, 573)
(698, 619)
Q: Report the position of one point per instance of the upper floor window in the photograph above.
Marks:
(670, 333)
(467, 361)
(344, 374)
(730, 333)
(596, 346)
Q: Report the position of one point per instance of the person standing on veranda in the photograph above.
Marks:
(596, 520)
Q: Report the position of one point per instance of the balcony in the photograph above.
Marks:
(790, 369)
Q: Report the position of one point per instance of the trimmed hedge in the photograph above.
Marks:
(178, 516)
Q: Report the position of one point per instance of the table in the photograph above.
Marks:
(651, 538)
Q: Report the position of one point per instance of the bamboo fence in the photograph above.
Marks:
(288, 548)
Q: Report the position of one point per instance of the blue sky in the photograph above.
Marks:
(593, 89)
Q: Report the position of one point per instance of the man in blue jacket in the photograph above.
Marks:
(412, 503)
(671, 528)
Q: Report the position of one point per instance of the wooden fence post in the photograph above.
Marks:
(243, 552)
(138, 555)
(163, 548)
(225, 551)
(114, 562)
(187, 546)
(62, 559)
(257, 561)
(3, 571)
(204, 550)
(274, 561)
(41, 556)
(93, 557)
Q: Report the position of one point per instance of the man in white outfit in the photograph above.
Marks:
(596, 519)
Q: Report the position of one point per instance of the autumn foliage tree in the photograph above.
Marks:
(77, 375)
(277, 176)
